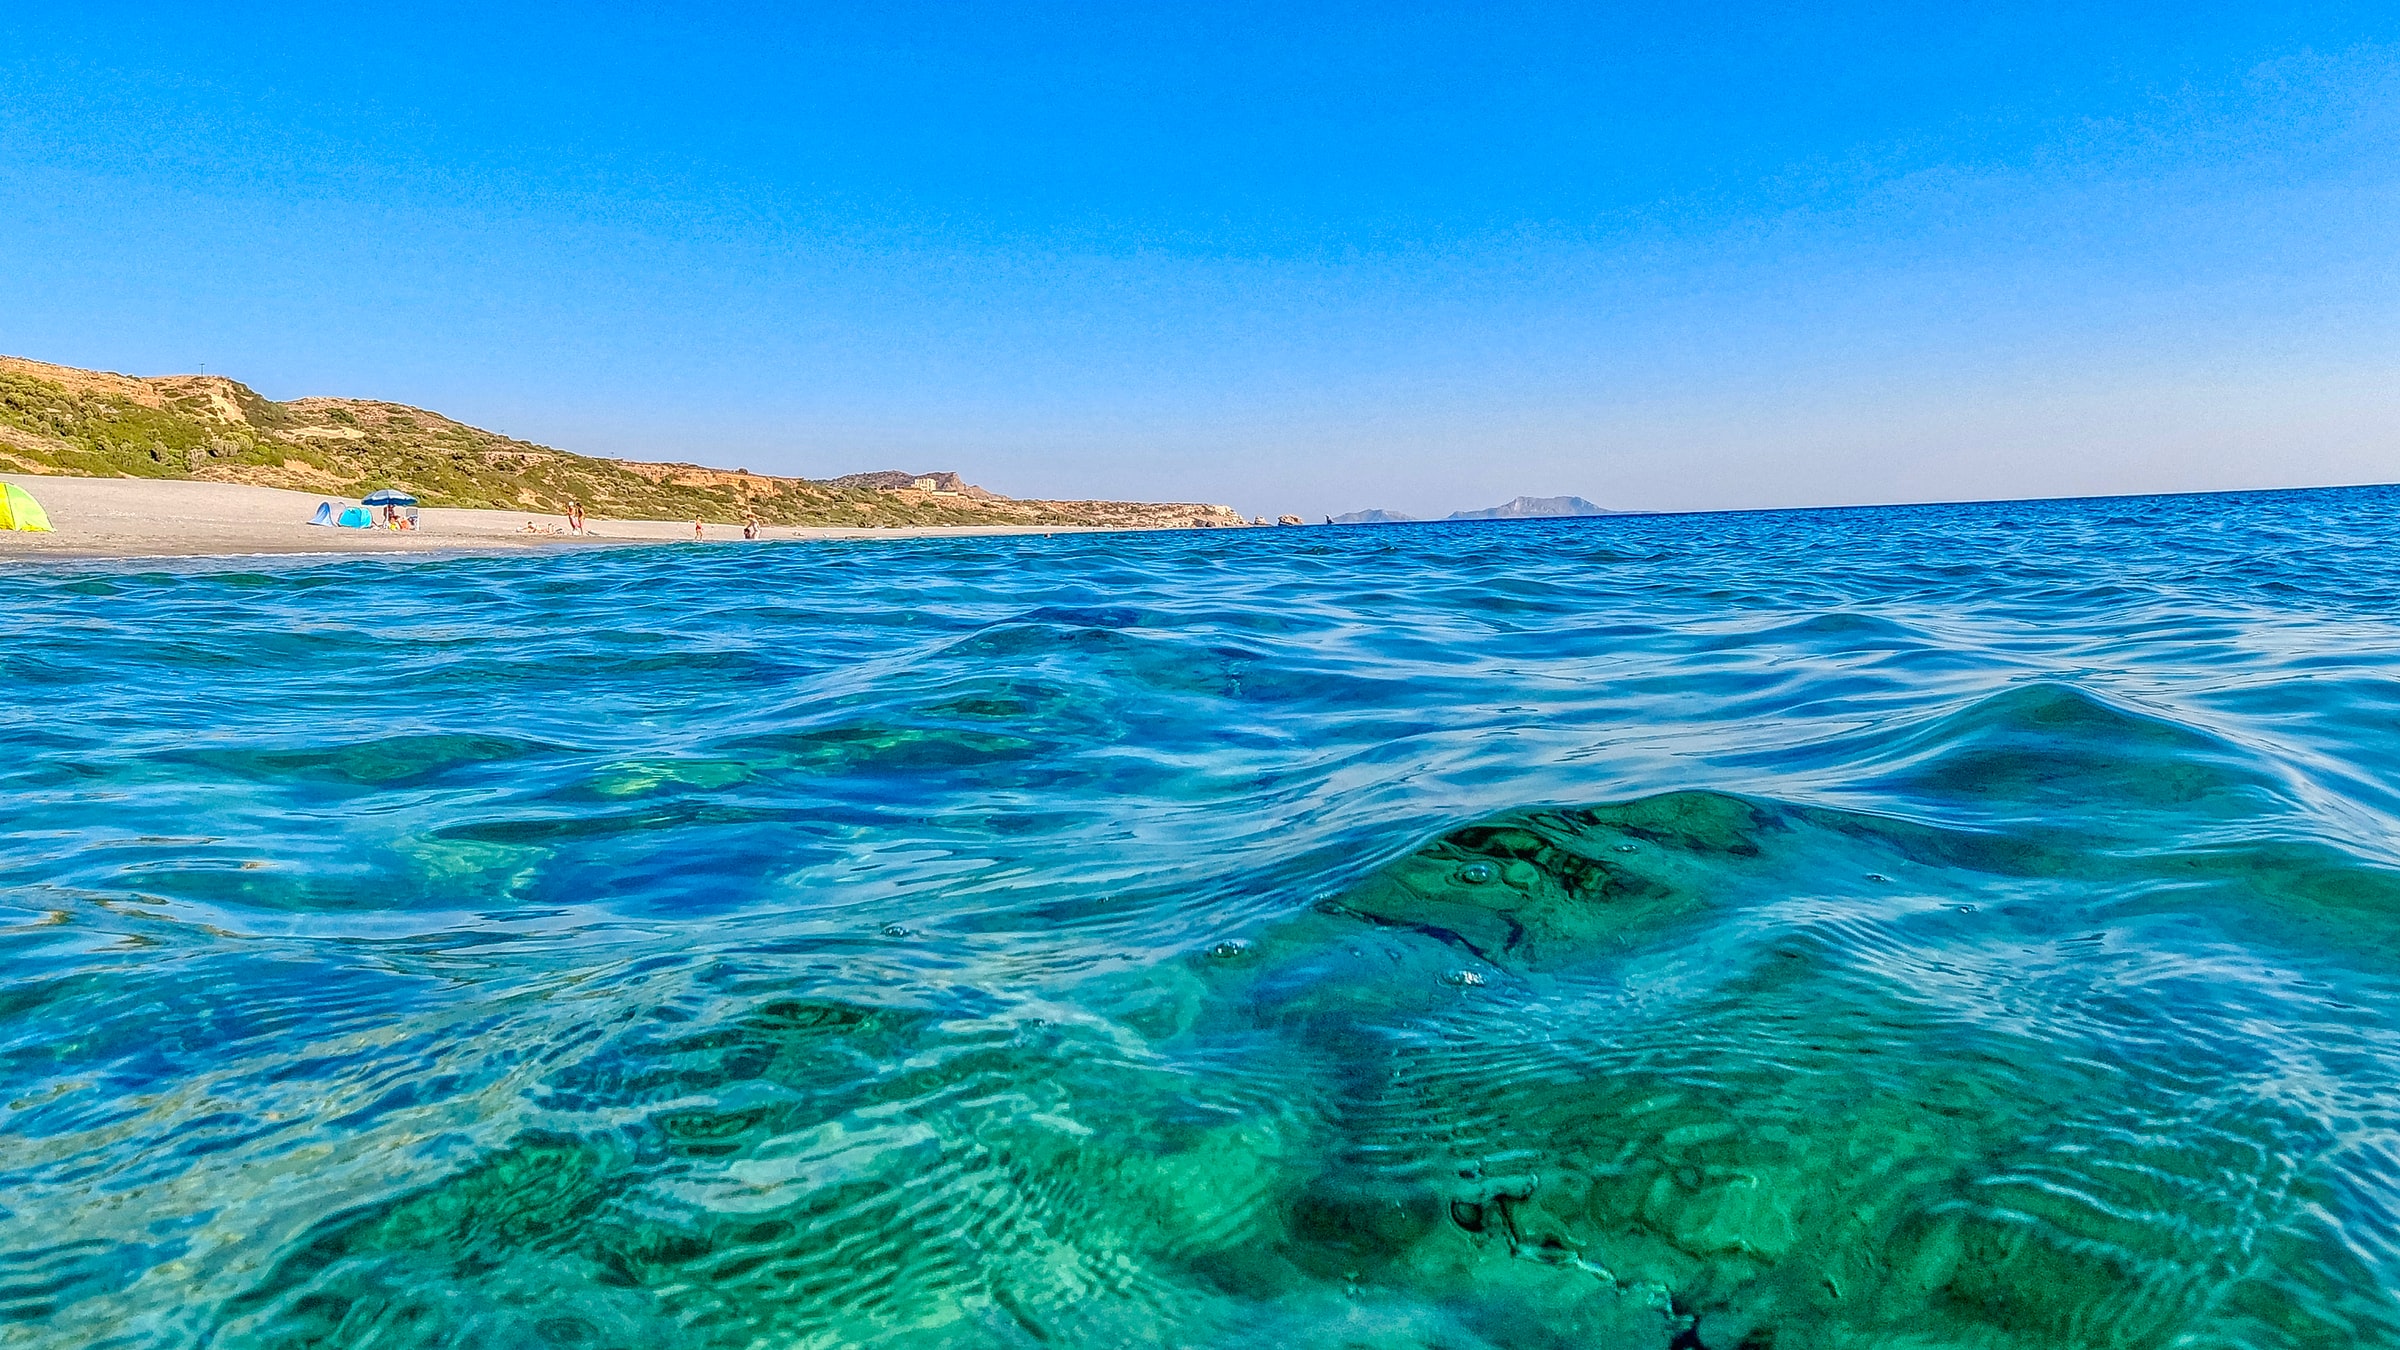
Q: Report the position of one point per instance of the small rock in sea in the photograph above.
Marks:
(1479, 874)
(893, 930)
(1877, 876)
(1464, 979)
(1228, 949)
(1629, 848)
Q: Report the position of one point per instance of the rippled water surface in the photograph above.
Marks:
(1971, 926)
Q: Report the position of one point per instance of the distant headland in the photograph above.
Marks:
(64, 421)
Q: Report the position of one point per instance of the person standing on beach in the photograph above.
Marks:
(697, 535)
(574, 516)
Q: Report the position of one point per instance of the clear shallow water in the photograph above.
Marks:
(1970, 926)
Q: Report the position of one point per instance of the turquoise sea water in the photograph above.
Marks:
(1964, 926)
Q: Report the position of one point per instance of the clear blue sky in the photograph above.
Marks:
(1291, 257)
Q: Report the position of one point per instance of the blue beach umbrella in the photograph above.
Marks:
(388, 497)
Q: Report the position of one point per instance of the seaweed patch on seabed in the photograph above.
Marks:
(1829, 1099)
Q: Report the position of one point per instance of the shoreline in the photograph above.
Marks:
(96, 519)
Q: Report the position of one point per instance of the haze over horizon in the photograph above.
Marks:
(1416, 257)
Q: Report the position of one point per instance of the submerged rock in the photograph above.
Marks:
(1661, 1073)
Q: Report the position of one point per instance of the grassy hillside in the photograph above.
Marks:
(60, 420)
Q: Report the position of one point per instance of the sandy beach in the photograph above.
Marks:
(170, 518)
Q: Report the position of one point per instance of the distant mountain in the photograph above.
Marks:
(1534, 508)
(1371, 518)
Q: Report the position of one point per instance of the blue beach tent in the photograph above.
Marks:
(324, 515)
(357, 518)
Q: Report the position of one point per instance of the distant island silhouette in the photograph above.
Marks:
(1521, 508)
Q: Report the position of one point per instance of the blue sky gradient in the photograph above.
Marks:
(1309, 259)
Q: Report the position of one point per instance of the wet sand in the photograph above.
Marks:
(163, 518)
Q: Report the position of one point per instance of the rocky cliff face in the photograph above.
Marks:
(62, 420)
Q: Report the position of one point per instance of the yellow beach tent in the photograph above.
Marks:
(19, 511)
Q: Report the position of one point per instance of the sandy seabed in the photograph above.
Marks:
(168, 518)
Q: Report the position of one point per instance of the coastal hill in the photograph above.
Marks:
(1522, 508)
(93, 424)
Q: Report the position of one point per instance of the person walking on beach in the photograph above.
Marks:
(697, 535)
(574, 516)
